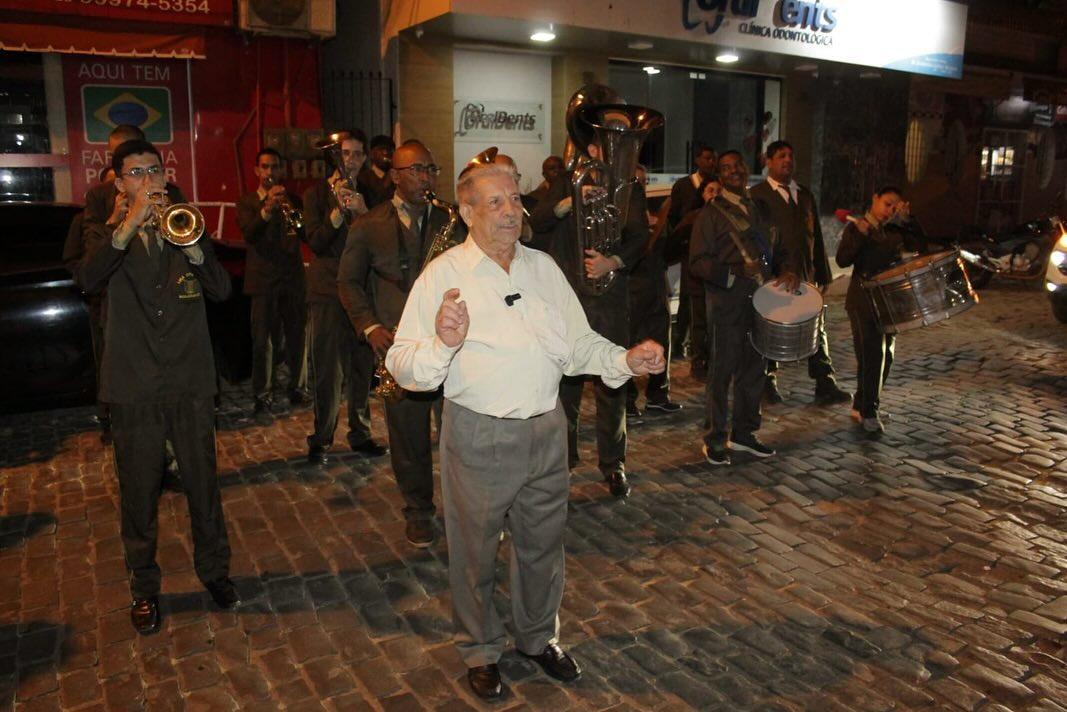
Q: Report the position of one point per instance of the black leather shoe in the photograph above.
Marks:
(666, 406)
(771, 396)
(317, 455)
(419, 533)
(223, 592)
(617, 483)
(633, 413)
(557, 663)
(485, 681)
(262, 406)
(829, 393)
(299, 398)
(144, 614)
(369, 448)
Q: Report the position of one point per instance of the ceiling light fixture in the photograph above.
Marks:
(650, 70)
(639, 44)
(543, 36)
(726, 58)
(805, 68)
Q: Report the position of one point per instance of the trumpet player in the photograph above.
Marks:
(274, 279)
(336, 352)
(158, 377)
(382, 257)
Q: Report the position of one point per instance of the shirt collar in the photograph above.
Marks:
(471, 255)
(696, 179)
(402, 205)
(791, 186)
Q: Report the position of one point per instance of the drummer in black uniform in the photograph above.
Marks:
(870, 245)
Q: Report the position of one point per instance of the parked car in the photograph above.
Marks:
(47, 355)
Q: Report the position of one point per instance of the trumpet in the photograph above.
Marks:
(292, 217)
(332, 147)
(180, 224)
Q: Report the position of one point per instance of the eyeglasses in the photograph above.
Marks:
(140, 172)
(430, 170)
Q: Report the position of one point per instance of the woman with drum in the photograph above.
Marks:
(869, 245)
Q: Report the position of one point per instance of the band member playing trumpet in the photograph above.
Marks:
(732, 253)
(274, 279)
(337, 354)
(158, 376)
(870, 245)
(381, 259)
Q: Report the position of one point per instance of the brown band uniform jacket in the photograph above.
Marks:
(798, 229)
(327, 243)
(714, 257)
(273, 259)
(370, 279)
(375, 190)
(158, 349)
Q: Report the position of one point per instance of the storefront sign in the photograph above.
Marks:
(492, 120)
(918, 36)
(102, 94)
(196, 12)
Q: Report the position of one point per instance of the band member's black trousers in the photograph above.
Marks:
(732, 361)
(608, 316)
(410, 453)
(139, 432)
(650, 318)
(339, 357)
(820, 367)
(692, 316)
(282, 308)
(874, 357)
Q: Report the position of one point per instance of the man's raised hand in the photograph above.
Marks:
(452, 320)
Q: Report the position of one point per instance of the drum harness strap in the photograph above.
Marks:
(740, 226)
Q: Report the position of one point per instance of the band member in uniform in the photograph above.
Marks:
(498, 324)
(374, 181)
(793, 212)
(550, 168)
(338, 355)
(608, 314)
(382, 257)
(158, 376)
(869, 246)
(274, 279)
(732, 253)
(650, 318)
(687, 197)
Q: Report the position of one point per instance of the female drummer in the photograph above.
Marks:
(872, 244)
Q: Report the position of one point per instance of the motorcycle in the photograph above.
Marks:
(1021, 253)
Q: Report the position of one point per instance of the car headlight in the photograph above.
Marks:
(1058, 258)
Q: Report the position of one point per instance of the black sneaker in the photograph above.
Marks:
(716, 454)
(750, 444)
(827, 392)
(666, 406)
(633, 413)
(419, 533)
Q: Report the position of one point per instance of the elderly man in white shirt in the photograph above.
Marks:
(498, 324)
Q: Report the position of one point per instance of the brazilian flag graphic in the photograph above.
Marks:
(106, 107)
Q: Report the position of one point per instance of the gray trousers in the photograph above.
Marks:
(492, 468)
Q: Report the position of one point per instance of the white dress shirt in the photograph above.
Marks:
(786, 191)
(511, 362)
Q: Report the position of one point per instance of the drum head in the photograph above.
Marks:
(775, 304)
(913, 265)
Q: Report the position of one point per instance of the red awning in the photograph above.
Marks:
(118, 42)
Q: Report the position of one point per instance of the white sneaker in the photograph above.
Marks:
(873, 425)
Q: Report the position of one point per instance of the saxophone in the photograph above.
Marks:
(388, 389)
(444, 238)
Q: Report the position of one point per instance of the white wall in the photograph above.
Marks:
(506, 76)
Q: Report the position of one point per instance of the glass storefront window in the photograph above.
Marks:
(701, 106)
(24, 126)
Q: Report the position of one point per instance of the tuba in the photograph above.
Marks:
(596, 115)
(180, 224)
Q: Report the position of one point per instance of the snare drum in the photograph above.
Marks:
(787, 323)
(920, 292)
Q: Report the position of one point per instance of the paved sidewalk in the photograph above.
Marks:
(925, 569)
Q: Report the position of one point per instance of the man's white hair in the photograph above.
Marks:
(465, 191)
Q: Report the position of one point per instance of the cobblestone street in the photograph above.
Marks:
(925, 569)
